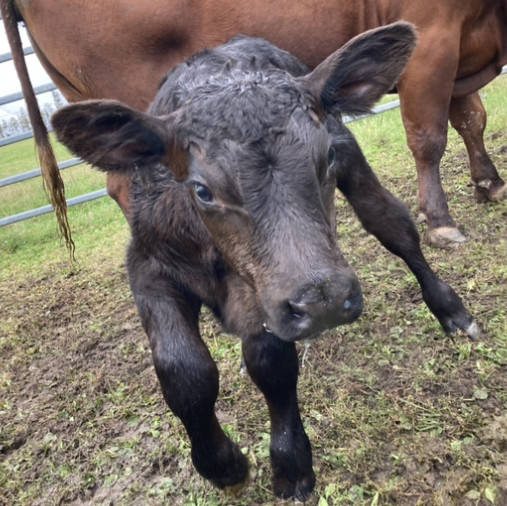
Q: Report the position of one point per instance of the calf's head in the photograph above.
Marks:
(259, 151)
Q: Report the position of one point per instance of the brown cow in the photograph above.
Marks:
(122, 49)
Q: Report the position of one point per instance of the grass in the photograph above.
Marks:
(37, 239)
(398, 414)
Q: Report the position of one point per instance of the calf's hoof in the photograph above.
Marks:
(473, 331)
(490, 191)
(227, 469)
(300, 491)
(235, 491)
(460, 320)
(446, 305)
(444, 237)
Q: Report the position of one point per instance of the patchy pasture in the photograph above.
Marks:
(397, 413)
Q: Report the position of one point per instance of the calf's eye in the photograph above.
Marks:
(203, 193)
(331, 156)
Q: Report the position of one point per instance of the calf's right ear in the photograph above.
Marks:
(353, 78)
(114, 137)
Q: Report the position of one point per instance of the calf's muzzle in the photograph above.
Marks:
(317, 306)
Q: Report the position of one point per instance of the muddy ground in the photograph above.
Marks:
(397, 412)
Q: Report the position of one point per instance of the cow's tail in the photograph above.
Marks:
(53, 182)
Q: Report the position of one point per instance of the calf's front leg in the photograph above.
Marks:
(273, 366)
(388, 219)
(187, 374)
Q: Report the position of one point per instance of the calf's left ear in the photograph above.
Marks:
(112, 136)
(353, 78)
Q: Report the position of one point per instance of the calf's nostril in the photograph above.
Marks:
(354, 305)
(297, 310)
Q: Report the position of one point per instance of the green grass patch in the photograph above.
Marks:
(34, 243)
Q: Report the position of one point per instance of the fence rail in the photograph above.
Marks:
(18, 178)
(49, 208)
(8, 56)
(45, 88)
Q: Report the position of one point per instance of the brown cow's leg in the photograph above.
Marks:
(388, 219)
(468, 117)
(118, 188)
(186, 372)
(425, 96)
(428, 147)
(273, 366)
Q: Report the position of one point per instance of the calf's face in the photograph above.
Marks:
(259, 151)
(267, 201)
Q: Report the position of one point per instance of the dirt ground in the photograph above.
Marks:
(397, 412)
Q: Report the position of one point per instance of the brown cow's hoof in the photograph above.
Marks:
(421, 217)
(487, 191)
(445, 237)
(499, 193)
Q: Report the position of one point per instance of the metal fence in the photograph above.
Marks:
(18, 178)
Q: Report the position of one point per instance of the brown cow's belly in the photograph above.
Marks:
(464, 85)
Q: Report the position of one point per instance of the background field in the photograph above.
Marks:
(397, 412)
